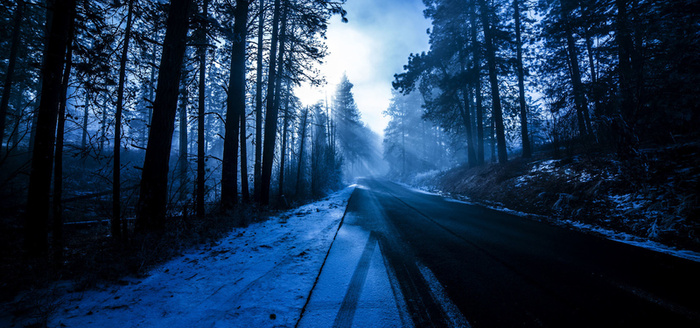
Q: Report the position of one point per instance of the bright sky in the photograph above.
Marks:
(372, 47)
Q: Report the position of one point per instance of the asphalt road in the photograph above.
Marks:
(506, 271)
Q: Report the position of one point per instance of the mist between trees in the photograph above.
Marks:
(171, 108)
(506, 77)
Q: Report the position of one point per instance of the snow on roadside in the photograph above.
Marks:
(421, 190)
(635, 241)
(257, 276)
(609, 234)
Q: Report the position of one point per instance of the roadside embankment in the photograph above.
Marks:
(653, 196)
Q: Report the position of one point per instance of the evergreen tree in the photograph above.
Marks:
(37, 215)
(235, 105)
(154, 181)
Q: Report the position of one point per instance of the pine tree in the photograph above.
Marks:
(10, 74)
(525, 137)
(490, 47)
(235, 105)
(116, 178)
(153, 197)
(202, 53)
(271, 111)
(36, 224)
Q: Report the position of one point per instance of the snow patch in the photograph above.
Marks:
(427, 174)
(418, 190)
(258, 276)
(628, 202)
(452, 200)
(544, 166)
(549, 167)
(635, 241)
(585, 177)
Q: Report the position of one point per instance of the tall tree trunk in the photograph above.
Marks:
(594, 93)
(623, 123)
(183, 164)
(625, 48)
(497, 113)
(200, 113)
(579, 94)
(637, 58)
(527, 152)
(154, 182)
(284, 148)
(283, 152)
(465, 112)
(493, 141)
(257, 168)
(579, 97)
(40, 83)
(19, 113)
(235, 105)
(151, 88)
(58, 160)
(476, 58)
(83, 143)
(271, 115)
(280, 69)
(301, 151)
(14, 46)
(329, 124)
(245, 189)
(403, 144)
(315, 152)
(594, 76)
(37, 214)
(116, 179)
(103, 127)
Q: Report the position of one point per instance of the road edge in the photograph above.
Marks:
(308, 297)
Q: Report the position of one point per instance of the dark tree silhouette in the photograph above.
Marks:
(202, 53)
(153, 197)
(37, 215)
(257, 165)
(235, 105)
(497, 111)
(9, 76)
(116, 178)
(527, 151)
(271, 111)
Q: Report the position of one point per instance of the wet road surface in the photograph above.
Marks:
(500, 270)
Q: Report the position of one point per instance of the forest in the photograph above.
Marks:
(139, 119)
(509, 77)
(155, 104)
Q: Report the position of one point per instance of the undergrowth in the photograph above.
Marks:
(653, 195)
(30, 288)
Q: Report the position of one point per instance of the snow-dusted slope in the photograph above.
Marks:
(259, 276)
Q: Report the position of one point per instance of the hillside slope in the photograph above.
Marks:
(653, 196)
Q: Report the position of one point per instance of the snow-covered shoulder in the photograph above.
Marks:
(258, 276)
(418, 190)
